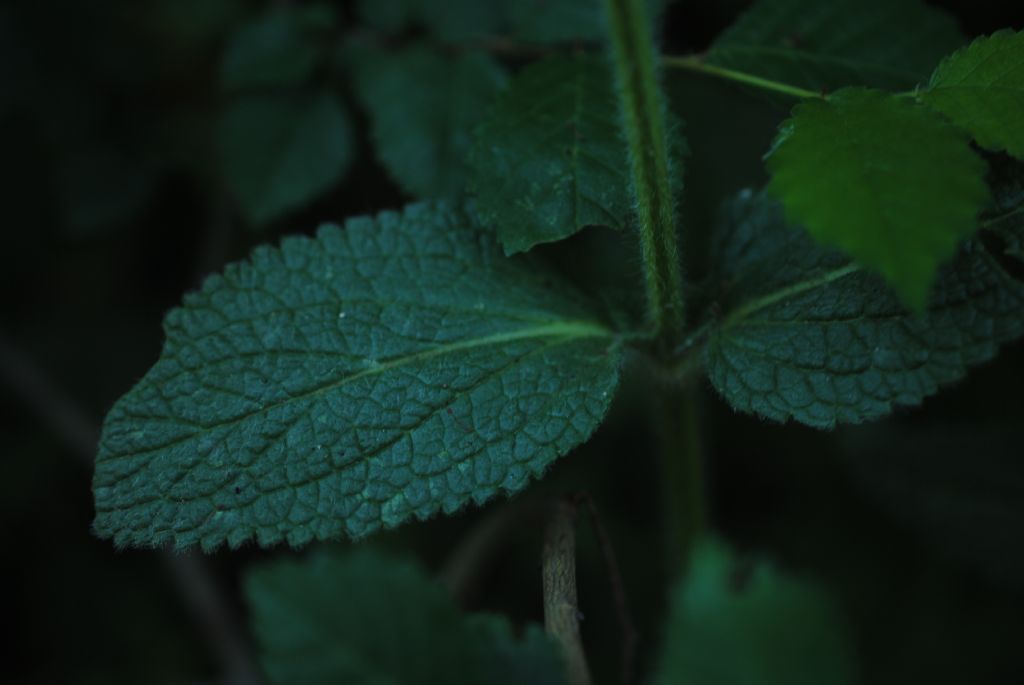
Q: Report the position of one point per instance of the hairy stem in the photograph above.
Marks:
(561, 612)
(682, 473)
(640, 101)
(697, 64)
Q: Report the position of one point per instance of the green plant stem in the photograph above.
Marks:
(681, 472)
(644, 121)
(697, 64)
(561, 609)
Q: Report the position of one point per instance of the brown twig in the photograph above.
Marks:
(630, 637)
(189, 572)
(561, 608)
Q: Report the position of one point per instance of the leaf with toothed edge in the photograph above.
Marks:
(810, 337)
(363, 618)
(393, 369)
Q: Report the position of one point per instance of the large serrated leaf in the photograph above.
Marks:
(808, 336)
(423, 106)
(891, 44)
(886, 180)
(981, 87)
(749, 624)
(280, 151)
(389, 370)
(549, 159)
(366, 619)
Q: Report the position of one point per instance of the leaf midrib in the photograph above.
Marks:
(558, 329)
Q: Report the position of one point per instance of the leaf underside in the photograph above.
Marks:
(392, 369)
(367, 619)
(549, 159)
(981, 87)
(828, 45)
(809, 337)
(902, 190)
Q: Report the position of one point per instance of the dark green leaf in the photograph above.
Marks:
(981, 87)
(808, 336)
(891, 44)
(423, 107)
(886, 180)
(281, 151)
(392, 369)
(279, 48)
(747, 624)
(563, 21)
(365, 619)
(549, 159)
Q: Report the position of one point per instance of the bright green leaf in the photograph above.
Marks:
(808, 336)
(423, 107)
(549, 159)
(281, 151)
(891, 44)
(734, 623)
(392, 369)
(279, 48)
(884, 179)
(364, 619)
(981, 87)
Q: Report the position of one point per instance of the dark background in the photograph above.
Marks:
(916, 524)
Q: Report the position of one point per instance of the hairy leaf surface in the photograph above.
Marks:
(366, 619)
(891, 44)
(423, 107)
(549, 159)
(736, 624)
(281, 151)
(392, 369)
(279, 48)
(886, 180)
(981, 87)
(808, 336)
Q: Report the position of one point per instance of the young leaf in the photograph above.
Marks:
(549, 160)
(279, 48)
(423, 107)
(280, 151)
(736, 624)
(392, 369)
(981, 87)
(808, 336)
(890, 44)
(367, 619)
(884, 179)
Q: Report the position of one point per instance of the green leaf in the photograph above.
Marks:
(392, 369)
(279, 48)
(281, 151)
(368, 619)
(808, 336)
(549, 160)
(884, 179)
(563, 21)
(747, 624)
(890, 44)
(981, 87)
(423, 107)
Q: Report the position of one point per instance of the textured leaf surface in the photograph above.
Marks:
(281, 151)
(366, 619)
(549, 159)
(886, 180)
(423, 107)
(392, 369)
(807, 336)
(891, 44)
(279, 48)
(981, 87)
(735, 624)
